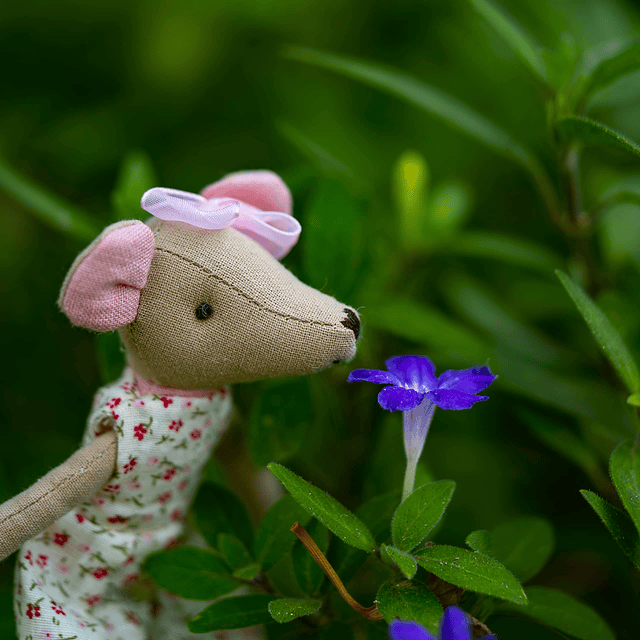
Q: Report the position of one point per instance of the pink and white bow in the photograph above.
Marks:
(276, 231)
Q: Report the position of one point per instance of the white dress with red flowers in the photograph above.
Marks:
(76, 579)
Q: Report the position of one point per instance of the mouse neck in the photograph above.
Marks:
(146, 387)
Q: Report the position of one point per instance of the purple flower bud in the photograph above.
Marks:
(454, 625)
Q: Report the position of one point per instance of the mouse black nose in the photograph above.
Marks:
(352, 322)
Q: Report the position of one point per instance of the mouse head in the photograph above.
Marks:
(198, 294)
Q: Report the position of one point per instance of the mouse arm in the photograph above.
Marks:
(63, 488)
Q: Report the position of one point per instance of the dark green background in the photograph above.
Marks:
(200, 86)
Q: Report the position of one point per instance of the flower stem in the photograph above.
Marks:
(371, 613)
(409, 478)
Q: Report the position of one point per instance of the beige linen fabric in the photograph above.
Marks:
(265, 322)
(55, 494)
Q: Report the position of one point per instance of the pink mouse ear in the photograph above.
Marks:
(102, 289)
(261, 189)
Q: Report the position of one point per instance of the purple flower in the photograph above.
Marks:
(414, 389)
(454, 625)
(412, 378)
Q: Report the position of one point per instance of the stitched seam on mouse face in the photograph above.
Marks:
(210, 274)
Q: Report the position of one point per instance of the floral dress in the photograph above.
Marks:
(78, 578)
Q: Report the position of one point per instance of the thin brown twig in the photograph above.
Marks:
(371, 613)
(479, 629)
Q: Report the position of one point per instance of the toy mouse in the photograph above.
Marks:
(201, 302)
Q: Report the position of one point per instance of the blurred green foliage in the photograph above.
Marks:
(442, 168)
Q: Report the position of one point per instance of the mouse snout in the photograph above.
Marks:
(352, 321)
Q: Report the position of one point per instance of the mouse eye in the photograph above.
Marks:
(204, 311)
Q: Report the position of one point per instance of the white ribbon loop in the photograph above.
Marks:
(277, 232)
(172, 204)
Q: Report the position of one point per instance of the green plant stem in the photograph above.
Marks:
(409, 477)
(574, 197)
(262, 582)
(546, 190)
(579, 224)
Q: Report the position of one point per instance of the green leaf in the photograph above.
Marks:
(328, 510)
(619, 229)
(523, 546)
(625, 473)
(273, 536)
(309, 575)
(479, 541)
(514, 35)
(560, 66)
(136, 176)
(471, 570)
(622, 93)
(191, 572)
(419, 513)
(409, 600)
(634, 399)
(493, 246)
(280, 420)
(562, 440)
(563, 612)
(580, 396)
(376, 513)
(48, 207)
(606, 336)
(405, 562)
(287, 609)
(234, 552)
(435, 102)
(429, 98)
(626, 59)
(620, 526)
(337, 271)
(321, 157)
(248, 572)
(236, 612)
(489, 313)
(426, 326)
(217, 510)
(584, 130)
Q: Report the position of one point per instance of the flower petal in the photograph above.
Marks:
(466, 380)
(415, 371)
(450, 399)
(372, 375)
(399, 399)
(401, 630)
(455, 625)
